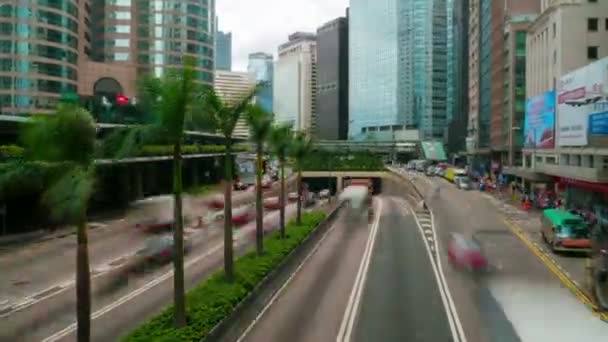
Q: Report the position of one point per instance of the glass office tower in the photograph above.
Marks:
(261, 64)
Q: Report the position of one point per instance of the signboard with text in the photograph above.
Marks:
(577, 91)
(539, 122)
(598, 122)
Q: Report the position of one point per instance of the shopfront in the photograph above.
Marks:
(586, 197)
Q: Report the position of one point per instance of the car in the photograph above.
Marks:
(430, 171)
(238, 185)
(466, 253)
(324, 194)
(159, 249)
(243, 215)
(292, 197)
(154, 225)
(272, 203)
(463, 183)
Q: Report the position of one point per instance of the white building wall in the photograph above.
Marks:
(232, 86)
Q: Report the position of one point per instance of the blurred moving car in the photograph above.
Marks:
(238, 185)
(466, 253)
(243, 215)
(159, 249)
(324, 194)
(463, 183)
(154, 225)
(272, 203)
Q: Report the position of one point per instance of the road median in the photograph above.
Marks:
(217, 310)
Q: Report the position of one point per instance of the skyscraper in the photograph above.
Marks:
(223, 48)
(67, 48)
(262, 66)
(332, 88)
(231, 86)
(295, 82)
(398, 68)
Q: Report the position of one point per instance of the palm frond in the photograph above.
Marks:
(260, 123)
(68, 196)
(280, 139)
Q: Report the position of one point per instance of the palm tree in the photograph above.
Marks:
(260, 125)
(177, 101)
(301, 147)
(224, 114)
(280, 139)
(65, 141)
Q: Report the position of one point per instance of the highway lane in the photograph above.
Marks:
(401, 299)
(121, 311)
(362, 283)
(45, 268)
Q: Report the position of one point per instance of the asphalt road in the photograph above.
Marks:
(399, 301)
(36, 270)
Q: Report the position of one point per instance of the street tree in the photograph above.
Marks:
(300, 149)
(64, 141)
(260, 125)
(223, 114)
(280, 140)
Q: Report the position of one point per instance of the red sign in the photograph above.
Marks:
(122, 100)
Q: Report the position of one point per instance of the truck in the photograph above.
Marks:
(370, 191)
(453, 172)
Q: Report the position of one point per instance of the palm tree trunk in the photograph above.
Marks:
(299, 185)
(259, 217)
(179, 297)
(228, 178)
(282, 201)
(83, 283)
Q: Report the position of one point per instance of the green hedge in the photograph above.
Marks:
(333, 161)
(214, 299)
(14, 151)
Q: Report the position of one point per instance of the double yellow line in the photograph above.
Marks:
(552, 266)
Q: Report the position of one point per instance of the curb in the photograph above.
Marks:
(231, 327)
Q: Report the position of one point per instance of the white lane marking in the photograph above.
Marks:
(444, 291)
(287, 282)
(430, 239)
(428, 231)
(352, 307)
(462, 336)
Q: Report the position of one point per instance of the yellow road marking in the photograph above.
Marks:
(552, 266)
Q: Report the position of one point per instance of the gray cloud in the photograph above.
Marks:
(261, 25)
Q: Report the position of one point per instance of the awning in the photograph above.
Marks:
(598, 187)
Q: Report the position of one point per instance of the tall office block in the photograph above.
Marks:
(232, 86)
(295, 82)
(332, 88)
(261, 64)
(223, 47)
(397, 82)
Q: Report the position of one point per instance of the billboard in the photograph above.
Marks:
(598, 120)
(539, 122)
(577, 92)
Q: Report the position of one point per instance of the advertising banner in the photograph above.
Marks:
(539, 122)
(577, 92)
(598, 123)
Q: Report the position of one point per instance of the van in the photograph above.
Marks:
(565, 232)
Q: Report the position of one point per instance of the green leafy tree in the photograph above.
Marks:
(300, 149)
(280, 140)
(224, 115)
(65, 140)
(177, 100)
(260, 126)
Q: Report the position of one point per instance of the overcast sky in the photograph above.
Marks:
(261, 25)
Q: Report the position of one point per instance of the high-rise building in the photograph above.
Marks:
(332, 88)
(397, 82)
(223, 51)
(472, 143)
(295, 82)
(261, 64)
(232, 86)
(89, 48)
(516, 28)
(457, 127)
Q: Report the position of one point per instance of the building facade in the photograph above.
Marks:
(98, 48)
(398, 82)
(223, 51)
(295, 82)
(231, 87)
(262, 65)
(457, 126)
(332, 88)
(515, 33)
